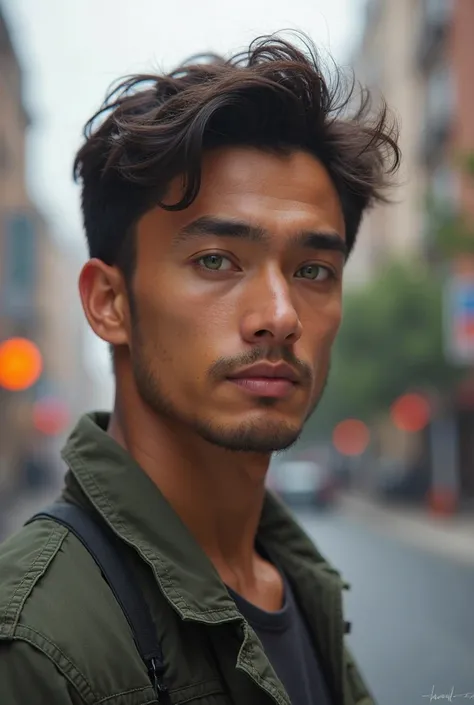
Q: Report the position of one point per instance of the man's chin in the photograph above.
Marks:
(251, 437)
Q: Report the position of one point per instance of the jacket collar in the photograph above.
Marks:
(139, 514)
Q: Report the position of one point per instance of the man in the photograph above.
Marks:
(220, 203)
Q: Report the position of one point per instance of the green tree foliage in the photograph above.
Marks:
(391, 342)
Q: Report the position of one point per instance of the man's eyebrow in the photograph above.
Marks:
(321, 241)
(220, 227)
(229, 228)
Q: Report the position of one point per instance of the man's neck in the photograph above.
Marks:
(217, 493)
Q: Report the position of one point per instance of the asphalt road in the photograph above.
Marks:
(412, 613)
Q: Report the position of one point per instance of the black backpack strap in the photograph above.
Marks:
(101, 543)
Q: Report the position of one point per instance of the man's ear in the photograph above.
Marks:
(104, 300)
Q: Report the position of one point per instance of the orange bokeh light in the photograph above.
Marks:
(411, 413)
(21, 364)
(351, 437)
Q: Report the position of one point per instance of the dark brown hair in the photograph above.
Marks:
(274, 97)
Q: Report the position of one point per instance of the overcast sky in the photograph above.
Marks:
(73, 49)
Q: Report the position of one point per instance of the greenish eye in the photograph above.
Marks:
(215, 262)
(314, 272)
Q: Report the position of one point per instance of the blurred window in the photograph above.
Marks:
(437, 12)
(4, 154)
(439, 94)
(444, 185)
(19, 263)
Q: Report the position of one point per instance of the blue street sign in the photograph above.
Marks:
(465, 303)
(459, 320)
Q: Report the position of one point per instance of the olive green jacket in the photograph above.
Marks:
(64, 639)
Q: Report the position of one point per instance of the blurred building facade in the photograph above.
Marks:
(38, 300)
(419, 55)
(384, 63)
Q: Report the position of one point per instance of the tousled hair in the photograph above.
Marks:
(273, 96)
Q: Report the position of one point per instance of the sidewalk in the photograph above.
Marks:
(451, 537)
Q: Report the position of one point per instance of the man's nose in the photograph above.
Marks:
(271, 316)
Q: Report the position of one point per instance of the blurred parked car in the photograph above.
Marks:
(397, 482)
(302, 483)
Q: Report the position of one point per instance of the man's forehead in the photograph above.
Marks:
(295, 176)
(281, 194)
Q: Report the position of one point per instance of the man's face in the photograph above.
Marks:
(250, 274)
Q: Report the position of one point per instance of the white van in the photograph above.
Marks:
(301, 482)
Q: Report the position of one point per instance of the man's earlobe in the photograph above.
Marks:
(104, 301)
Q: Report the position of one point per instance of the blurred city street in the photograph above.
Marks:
(410, 608)
(385, 464)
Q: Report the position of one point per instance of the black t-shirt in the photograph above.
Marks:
(288, 646)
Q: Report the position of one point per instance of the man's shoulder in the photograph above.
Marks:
(51, 587)
(25, 562)
(53, 597)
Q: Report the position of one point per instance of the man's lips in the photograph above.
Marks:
(267, 380)
(274, 387)
(267, 370)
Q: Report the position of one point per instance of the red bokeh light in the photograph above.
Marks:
(351, 437)
(50, 416)
(411, 413)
